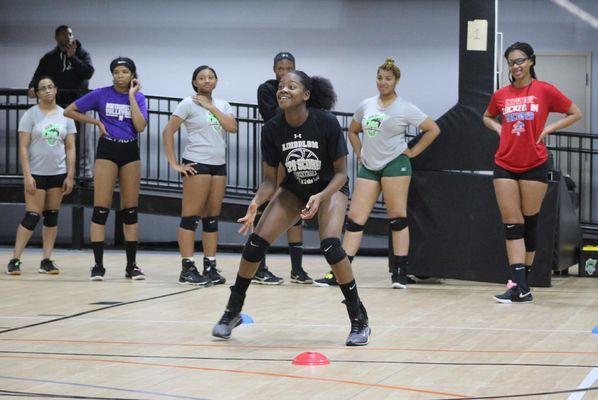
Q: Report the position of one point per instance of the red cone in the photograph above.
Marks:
(311, 358)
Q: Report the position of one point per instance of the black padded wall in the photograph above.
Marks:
(464, 142)
(456, 229)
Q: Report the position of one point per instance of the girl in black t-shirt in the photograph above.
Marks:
(310, 144)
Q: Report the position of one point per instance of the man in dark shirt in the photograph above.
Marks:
(69, 66)
(267, 103)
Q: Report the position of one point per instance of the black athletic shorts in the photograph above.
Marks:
(305, 197)
(45, 182)
(539, 173)
(207, 169)
(120, 152)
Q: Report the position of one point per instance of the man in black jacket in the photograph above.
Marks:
(68, 64)
(267, 103)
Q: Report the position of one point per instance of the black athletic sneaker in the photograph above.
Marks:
(191, 276)
(47, 266)
(328, 280)
(265, 277)
(210, 270)
(97, 273)
(360, 330)
(14, 267)
(134, 272)
(400, 280)
(514, 295)
(300, 276)
(231, 317)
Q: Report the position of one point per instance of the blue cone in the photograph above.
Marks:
(246, 319)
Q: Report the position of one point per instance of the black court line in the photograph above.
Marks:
(48, 353)
(105, 303)
(12, 393)
(512, 396)
(98, 309)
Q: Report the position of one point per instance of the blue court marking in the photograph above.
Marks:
(172, 396)
(246, 319)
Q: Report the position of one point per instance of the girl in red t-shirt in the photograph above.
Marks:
(520, 173)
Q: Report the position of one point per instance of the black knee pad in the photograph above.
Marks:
(352, 226)
(30, 220)
(210, 224)
(398, 224)
(189, 223)
(332, 250)
(514, 231)
(129, 216)
(530, 232)
(100, 215)
(50, 218)
(255, 249)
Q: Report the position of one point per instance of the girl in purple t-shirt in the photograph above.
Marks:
(122, 112)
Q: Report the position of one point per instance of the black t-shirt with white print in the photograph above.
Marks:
(307, 152)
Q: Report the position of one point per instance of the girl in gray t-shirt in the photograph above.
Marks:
(384, 157)
(47, 153)
(203, 166)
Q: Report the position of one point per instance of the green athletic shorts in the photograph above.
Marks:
(400, 166)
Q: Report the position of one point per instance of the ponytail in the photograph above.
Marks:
(322, 93)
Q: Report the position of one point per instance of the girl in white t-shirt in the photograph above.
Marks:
(47, 153)
(203, 166)
(384, 159)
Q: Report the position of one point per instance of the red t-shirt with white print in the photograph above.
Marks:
(524, 111)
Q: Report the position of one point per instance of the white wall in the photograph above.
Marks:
(547, 27)
(342, 40)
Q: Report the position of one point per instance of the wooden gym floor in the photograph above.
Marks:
(66, 337)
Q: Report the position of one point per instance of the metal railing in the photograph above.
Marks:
(575, 154)
(242, 156)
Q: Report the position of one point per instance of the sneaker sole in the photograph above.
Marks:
(322, 284)
(503, 301)
(14, 273)
(221, 337)
(308, 282)
(397, 285)
(266, 283)
(43, 271)
(96, 278)
(201, 284)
